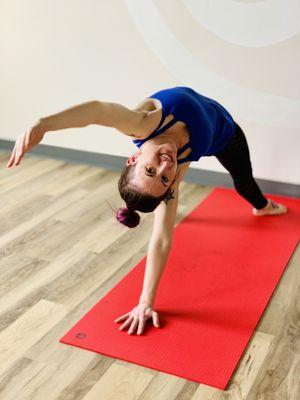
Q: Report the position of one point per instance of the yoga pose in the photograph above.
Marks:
(171, 128)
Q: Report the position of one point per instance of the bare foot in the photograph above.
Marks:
(271, 208)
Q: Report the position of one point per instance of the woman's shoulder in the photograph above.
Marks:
(183, 168)
(180, 172)
(153, 114)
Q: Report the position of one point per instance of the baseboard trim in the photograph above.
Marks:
(116, 163)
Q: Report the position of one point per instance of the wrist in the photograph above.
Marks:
(44, 125)
(146, 301)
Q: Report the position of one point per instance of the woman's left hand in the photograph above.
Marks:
(137, 318)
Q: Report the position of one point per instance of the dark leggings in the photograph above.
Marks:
(236, 159)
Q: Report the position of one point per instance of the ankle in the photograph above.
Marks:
(266, 207)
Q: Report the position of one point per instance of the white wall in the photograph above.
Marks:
(245, 54)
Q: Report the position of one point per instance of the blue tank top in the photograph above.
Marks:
(210, 126)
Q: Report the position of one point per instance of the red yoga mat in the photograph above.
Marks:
(220, 275)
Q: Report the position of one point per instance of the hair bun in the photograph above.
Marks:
(128, 217)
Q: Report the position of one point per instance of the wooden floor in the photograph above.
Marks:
(58, 241)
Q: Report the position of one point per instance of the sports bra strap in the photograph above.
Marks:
(182, 160)
(158, 130)
(181, 150)
(170, 123)
(161, 120)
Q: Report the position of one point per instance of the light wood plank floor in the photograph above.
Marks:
(54, 268)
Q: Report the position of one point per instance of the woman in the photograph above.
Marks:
(171, 128)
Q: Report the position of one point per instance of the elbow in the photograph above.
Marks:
(166, 244)
(169, 242)
(162, 244)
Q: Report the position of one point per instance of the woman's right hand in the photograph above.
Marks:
(25, 142)
(137, 318)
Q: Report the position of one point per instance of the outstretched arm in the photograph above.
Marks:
(115, 115)
(161, 239)
(158, 252)
(96, 112)
(159, 246)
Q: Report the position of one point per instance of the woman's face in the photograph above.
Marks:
(154, 172)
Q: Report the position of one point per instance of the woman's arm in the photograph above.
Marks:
(130, 122)
(157, 257)
(161, 239)
(158, 251)
(96, 112)
(159, 246)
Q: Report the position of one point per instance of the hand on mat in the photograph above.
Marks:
(25, 142)
(137, 318)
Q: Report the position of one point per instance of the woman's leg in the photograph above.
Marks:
(236, 159)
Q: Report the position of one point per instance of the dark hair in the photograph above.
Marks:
(136, 200)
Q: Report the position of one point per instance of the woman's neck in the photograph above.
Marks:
(169, 136)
